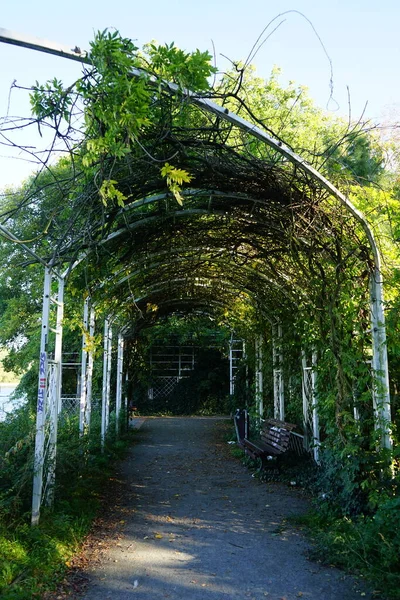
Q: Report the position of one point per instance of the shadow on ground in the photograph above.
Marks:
(196, 525)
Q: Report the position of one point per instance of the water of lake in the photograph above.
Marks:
(7, 405)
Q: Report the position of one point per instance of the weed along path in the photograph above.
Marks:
(198, 526)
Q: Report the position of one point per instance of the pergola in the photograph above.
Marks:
(257, 222)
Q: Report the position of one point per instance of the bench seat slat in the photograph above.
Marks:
(258, 448)
(274, 439)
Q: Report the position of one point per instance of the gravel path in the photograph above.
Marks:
(198, 526)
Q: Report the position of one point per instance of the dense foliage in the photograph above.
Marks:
(177, 217)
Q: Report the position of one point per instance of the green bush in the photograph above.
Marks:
(367, 545)
(33, 560)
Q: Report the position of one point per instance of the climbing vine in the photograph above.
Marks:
(162, 208)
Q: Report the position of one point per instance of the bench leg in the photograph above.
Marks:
(269, 468)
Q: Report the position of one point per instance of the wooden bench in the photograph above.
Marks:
(273, 441)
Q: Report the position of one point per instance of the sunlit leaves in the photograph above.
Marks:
(187, 69)
(108, 192)
(175, 178)
(117, 105)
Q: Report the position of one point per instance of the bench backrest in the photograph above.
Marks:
(276, 434)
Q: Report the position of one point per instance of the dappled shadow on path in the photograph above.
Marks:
(196, 525)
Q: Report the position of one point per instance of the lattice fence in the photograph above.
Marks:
(163, 387)
(310, 408)
(308, 401)
(70, 405)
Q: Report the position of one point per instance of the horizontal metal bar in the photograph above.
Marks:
(46, 46)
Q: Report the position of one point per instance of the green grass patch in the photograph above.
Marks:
(367, 546)
(35, 559)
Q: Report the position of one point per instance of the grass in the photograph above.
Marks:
(34, 560)
(368, 547)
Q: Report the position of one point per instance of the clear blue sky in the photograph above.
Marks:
(361, 37)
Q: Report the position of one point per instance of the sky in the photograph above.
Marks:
(360, 38)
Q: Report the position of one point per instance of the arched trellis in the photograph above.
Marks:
(380, 367)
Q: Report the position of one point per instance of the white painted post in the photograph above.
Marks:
(41, 399)
(246, 368)
(84, 355)
(310, 404)
(52, 400)
(104, 390)
(108, 386)
(89, 380)
(118, 394)
(59, 339)
(305, 394)
(231, 381)
(379, 359)
(54, 394)
(126, 392)
(275, 370)
(315, 416)
(259, 376)
(150, 389)
(282, 382)
(277, 359)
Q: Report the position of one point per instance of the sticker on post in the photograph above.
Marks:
(40, 402)
(42, 364)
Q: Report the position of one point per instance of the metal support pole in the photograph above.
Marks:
(150, 390)
(41, 399)
(108, 386)
(380, 360)
(277, 358)
(275, 373)
(82, 406)
(310, 405)
(118, 394)
(53, 422)
(89, 379)
(246, 371)
(104, 390)
(259, 376)
(315, 417)
(54, 394)
(282, 383)
(59, 339)
(231, 380)
(126, 392)
(306, 400)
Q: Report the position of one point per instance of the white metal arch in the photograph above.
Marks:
(380, 362)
